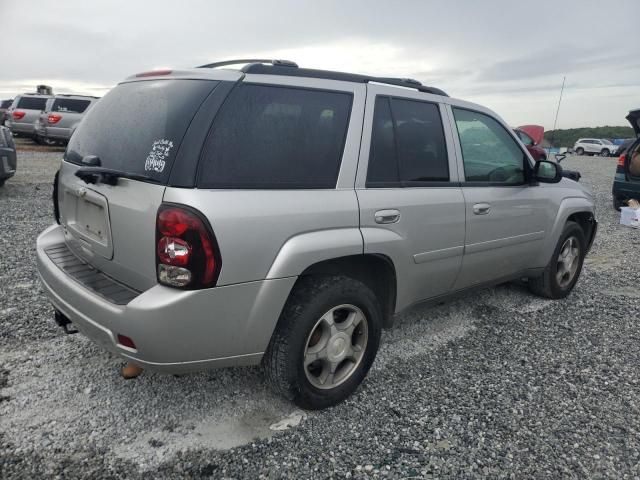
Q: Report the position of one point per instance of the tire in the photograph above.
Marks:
(304, 326)
(605, 152)
(548, 285)
(2, 180)
(617, 203)
(580, 151)
(46, 141)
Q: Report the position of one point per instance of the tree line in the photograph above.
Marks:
(567, 137)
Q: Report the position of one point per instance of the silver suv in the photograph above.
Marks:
(25, 112)
(61, 117)
(595, 146)
(280, 215)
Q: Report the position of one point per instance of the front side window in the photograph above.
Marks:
(489, 153)
(276, 137)
(408, 145)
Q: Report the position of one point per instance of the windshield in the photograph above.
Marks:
(138, 126)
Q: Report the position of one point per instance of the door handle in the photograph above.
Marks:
(481, 208)
(387, 216)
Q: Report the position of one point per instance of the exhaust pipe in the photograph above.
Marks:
(63, 321)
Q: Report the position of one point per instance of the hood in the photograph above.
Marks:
(536, 132)
(634, 120)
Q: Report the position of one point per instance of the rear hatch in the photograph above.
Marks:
(632, 154)
(63, 112)
(137, 130)
(28, 109)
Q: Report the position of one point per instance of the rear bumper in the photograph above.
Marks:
(174, 331)
(626, 189)
(56, 133)
(23, 128)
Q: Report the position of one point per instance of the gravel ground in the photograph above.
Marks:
(498, 384)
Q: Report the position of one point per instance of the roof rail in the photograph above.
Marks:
(274, 62)
(409, 83)
(275, 67)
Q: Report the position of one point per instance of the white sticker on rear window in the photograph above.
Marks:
(156, 158)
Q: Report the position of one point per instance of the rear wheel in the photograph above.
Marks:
(563, 271)
(617, 203)
(580, 151)
(325, 341)
(605, 152)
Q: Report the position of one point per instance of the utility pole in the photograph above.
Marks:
(555, 121)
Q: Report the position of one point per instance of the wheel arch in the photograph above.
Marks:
(374, 270)
(576, 209)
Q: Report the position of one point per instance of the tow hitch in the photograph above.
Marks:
(62, 320)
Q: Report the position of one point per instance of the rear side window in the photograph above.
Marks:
(32, 103)
(408, 146)
(70, 105)
(6, 103)
(138, 126)
(276, 137)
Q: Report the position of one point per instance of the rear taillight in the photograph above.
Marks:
(187, 253)
(17, 115)
(54, 118)
(621, 160)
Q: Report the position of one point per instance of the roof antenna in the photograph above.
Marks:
(555, 122)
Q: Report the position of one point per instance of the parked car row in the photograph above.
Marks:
(47, 119)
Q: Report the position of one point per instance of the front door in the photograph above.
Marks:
(411, 205)
(505, 214)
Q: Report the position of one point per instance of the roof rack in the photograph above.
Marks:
(274, 62)
(289, 68)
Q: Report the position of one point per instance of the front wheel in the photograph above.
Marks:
(580, 151)
(563, 271)
(325, 341)
(605, 152)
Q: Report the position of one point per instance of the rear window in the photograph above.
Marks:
(32, 103)
(6, 103)
(276, 137)
(138, 126)
(70, 105)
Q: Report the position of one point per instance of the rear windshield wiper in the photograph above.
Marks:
(108, 176)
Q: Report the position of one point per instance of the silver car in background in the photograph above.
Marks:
(25, 112)
(61, 117)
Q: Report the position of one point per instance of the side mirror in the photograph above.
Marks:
(546, 171)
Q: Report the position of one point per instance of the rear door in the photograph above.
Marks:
(137, 128)
(506, 217)
(411, 205)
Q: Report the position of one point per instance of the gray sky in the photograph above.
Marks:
(498, 53)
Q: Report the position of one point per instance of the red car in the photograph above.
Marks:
(531, 136)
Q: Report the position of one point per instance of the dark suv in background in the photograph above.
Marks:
(4, 106)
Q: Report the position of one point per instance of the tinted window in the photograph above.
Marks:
(489, 153)
(70, 105)
(407, 145)
(6, 103)
(275, 137)
(32, 103)
(138, 126)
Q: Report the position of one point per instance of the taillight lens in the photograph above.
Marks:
(17, 115)
(621, 160)
(186, 250)
(154, 73)
(54, 118)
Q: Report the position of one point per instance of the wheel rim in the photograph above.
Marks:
(568, 261)
(335, 347)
